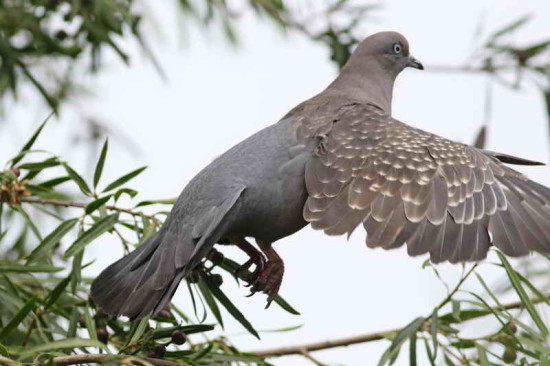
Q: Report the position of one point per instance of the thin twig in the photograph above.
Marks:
(456, 288)
(307, 355)
(95, 358)
(365, 338)
(61, 203)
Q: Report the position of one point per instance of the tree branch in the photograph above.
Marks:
(94, 358)
(365, 338)
(61, 203)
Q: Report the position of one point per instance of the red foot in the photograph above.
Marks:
(270, 279)
(256, 258)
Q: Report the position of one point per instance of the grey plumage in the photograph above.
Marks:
(338, 161)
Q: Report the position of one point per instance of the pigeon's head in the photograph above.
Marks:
(371, 70)
(388, 49)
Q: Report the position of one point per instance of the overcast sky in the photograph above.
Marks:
(218, 95)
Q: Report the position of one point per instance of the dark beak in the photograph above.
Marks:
(414, 63)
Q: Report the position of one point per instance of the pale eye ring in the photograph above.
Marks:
(397, 48)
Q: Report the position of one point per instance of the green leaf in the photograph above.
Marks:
(94, 205)
(428, 351)
(49, 163)
(54, 182)
(510, 27)
(482, 354)
(210, 301)
(463, 343)
(130, 192)
(98, 229)
(90, 325)
(400, 338)
(23, 268)
(434, 327)
(516, 282)
(168, 201)
(285, 305)
(412, 350)
(73, 323)
(231, 267)
(232, 309)
(56, 292)
(187, 329)
(137, 330)
(456, 309)
(4, 351)
(31, 142)
(101, 163)
(77, 179)
(125, 178)
(18, 318)
(71, 343)
(52, 239)
(29, 222)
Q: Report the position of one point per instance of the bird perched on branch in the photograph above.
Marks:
(337, 161)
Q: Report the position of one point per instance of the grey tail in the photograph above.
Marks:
(144, 281)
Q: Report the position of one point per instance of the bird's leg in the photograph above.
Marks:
(255, 257)
(270, 278)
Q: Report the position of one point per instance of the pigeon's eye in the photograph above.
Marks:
(397, 48)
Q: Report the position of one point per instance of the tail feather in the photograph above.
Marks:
(142, 282)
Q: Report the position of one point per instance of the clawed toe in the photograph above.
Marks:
(269, 280)
(268, 272)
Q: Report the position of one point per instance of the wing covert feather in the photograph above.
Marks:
(409, 186)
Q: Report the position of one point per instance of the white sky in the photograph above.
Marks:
(218, 95)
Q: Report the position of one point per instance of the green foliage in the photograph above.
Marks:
(45, 311)
(504, 328)
(53, 37)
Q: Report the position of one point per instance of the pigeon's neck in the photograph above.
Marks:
(366, 81)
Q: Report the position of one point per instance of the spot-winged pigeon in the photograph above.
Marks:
(338, 160)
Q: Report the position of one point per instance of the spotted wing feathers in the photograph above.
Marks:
(405, 185)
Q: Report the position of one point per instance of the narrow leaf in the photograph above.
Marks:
(51, 240)
(71, 343)
(78, 180)
(125, 178)
(18, 318)
(94, 205)
(90, 325)
(56, 292)
(434, 324)
(412, 350)
(23, 268)
(210, 301)
(220, 296)
(523, 295)
(101, 163)
(99, 228)
(510, 27)
(31, 142)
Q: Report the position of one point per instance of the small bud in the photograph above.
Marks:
(512, 327)
(217, 279)
(510, 355)
(178, 337)
(216, 257)
(61, 35)
(16, 171)
(193, 277)
(165, 313)
(102, 335)
(159, 351)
